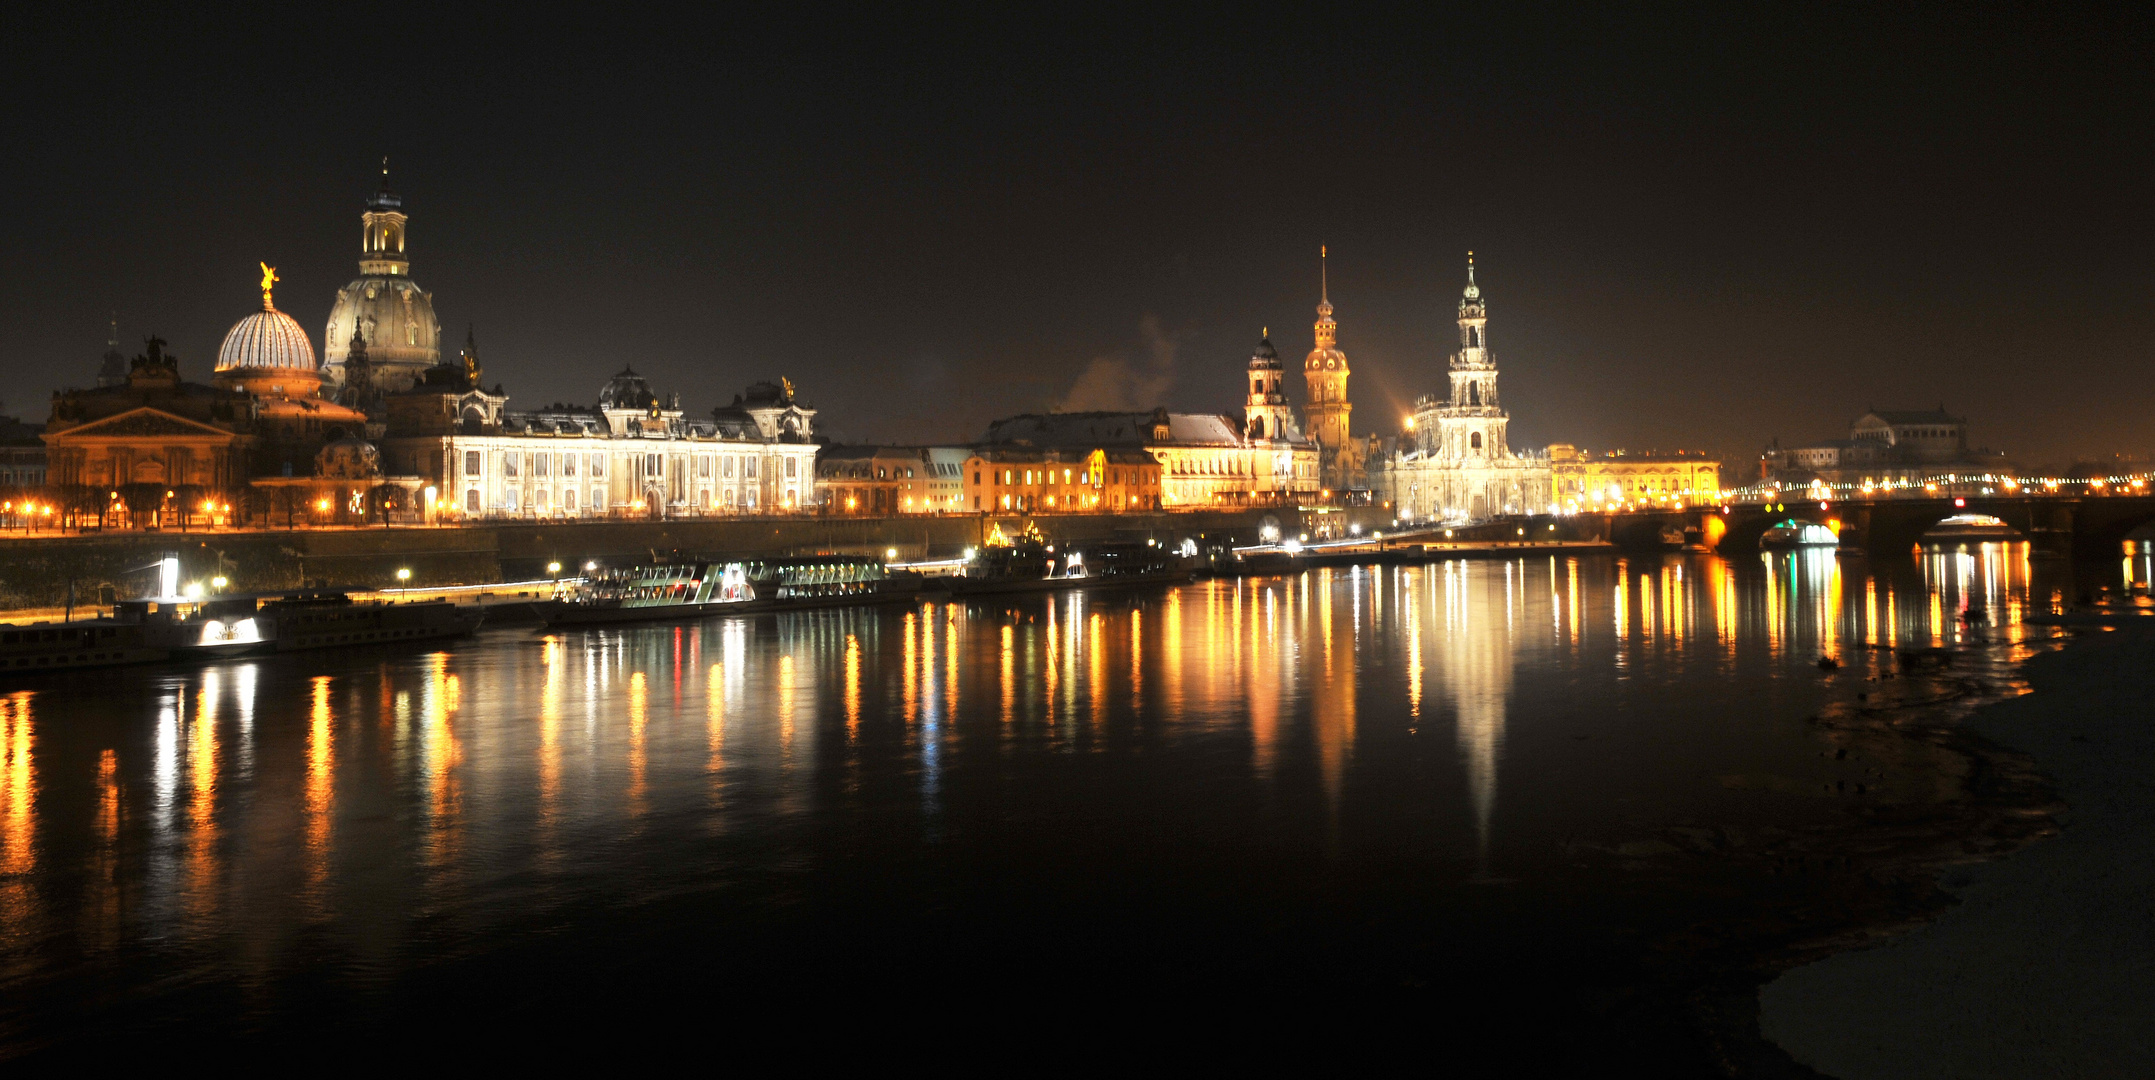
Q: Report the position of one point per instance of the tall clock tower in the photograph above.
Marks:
(1326, 373)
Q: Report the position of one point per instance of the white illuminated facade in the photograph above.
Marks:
(1456, 464)
(633, 455)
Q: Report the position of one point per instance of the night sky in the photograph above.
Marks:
(1694, 229)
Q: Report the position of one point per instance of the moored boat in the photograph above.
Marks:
(697, 588)
(220, 627)
(1032, 566)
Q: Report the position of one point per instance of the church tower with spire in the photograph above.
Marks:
(1326, 373)
(1470, 426)
(1460, 466)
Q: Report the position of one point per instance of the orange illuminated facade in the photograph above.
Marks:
(1020, 479)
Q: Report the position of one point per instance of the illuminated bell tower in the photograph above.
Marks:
(1470, 426)
(1326, 373)
(1267, 415)
(383, 307)
(381, 248)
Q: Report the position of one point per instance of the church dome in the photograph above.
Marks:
(1266, 358)
(627, 390)
(396, 319)
(384, 306)
(266, 339)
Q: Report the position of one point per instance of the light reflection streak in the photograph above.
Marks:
(1009, 685)
(18, 813)
(199, 893)
(550, 691)
(639, 718)
(321, 780)
(853, 686)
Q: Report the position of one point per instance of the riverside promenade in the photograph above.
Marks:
(40, 570)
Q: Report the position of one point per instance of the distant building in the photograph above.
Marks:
(22, 455)
(1581, 479)
(1884, 446)
(1460, 466)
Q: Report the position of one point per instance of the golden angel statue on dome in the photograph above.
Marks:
(269, 279)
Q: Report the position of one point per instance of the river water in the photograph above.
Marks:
(1438, 781)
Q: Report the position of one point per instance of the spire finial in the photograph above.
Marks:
(114, 340)
(1470, 268)
(1324, 275)
(385, 172)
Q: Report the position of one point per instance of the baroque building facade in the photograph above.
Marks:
(1206, 460)
(1459, 465)
(634, 454)
(1584, 480)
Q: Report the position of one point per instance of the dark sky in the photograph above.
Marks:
(1695, 228)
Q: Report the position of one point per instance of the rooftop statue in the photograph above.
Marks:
(269, 279)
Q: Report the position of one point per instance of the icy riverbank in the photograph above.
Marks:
(2047, 965)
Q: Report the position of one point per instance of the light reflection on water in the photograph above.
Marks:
(366, 809)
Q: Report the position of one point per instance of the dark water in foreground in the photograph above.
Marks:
(1416, 781)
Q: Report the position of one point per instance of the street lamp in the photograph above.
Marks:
(218, 583)
(404, 574)
(553, 569)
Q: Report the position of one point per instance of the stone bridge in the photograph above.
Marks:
(2080, 525)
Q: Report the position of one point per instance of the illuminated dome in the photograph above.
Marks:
(266, 354)
(389, 311)
(266, 339)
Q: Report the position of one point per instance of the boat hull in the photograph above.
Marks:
(960, 586)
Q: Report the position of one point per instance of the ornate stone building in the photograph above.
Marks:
(1460, 466)
(267, 357)
(1205, 459)
(149, 446)
(383, 306)
(634, 454)
(1339, 457)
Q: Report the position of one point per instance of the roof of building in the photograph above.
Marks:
(266, 339)
(1011, 454)
(1265, 358)
(1112, 429)
(1912, 416)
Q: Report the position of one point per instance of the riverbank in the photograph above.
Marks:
(2045, 963)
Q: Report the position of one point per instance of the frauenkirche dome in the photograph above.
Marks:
(384, 305)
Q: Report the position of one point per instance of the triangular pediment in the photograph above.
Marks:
(140, 423)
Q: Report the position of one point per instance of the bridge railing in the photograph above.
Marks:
(1947, 485)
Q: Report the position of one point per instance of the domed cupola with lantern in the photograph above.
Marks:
(384, 306)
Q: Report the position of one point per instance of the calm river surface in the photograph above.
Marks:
(1400, 780)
